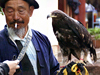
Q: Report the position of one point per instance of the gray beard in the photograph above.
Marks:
(19, 32)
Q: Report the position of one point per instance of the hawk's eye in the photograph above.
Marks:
(55, 13)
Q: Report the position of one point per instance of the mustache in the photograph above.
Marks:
(13, 22)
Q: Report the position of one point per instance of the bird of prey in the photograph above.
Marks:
(73, 37)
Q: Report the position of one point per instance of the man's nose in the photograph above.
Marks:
(16, 16)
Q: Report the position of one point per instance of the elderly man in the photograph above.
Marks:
(39, 58)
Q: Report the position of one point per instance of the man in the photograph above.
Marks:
(39, 58)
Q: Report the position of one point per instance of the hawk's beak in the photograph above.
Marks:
(48, 16)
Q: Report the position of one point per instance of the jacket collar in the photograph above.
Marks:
(7, 35)
(35, 41)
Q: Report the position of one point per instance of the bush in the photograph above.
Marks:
(95, 32)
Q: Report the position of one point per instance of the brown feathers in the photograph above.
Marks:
(71, 35)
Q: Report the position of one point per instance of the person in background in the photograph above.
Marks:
(8, 67)
(39, 58)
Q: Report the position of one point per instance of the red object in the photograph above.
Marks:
(78, 70)
(62, 66)
(95, 16)
(81, 59)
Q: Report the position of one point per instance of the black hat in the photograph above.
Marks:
(31, 3)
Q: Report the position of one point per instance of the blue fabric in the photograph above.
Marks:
(48, 63)
(75, 5)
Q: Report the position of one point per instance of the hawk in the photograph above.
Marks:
(73, 37)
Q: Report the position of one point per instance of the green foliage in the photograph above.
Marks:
(97, 37)
(95, 32)
(1, 12)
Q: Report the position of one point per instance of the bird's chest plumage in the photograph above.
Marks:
(65, 35)
(67, 38)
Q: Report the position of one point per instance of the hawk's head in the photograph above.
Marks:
(57, 15)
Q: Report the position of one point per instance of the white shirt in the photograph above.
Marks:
(31, 52)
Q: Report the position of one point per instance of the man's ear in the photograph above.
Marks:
(31, 10)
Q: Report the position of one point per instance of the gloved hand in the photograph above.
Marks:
(73, 69)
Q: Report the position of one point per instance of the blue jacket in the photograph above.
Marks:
(48, 63)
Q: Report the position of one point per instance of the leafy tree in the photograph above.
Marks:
(1, 12)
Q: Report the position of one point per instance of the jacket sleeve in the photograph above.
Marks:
(4, 69)
(54, 64)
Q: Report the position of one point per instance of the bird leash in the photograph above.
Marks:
(24, 49)
(73, 69)
(22, 53)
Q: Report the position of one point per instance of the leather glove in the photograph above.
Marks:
(73, 69)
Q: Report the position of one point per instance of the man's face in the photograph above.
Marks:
(18, 11)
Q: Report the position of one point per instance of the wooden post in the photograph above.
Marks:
(81, 16)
